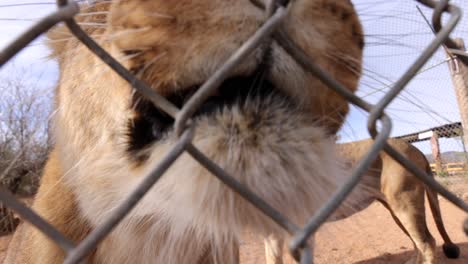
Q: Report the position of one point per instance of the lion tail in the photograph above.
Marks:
(450, 249)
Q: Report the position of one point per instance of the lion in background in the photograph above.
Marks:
(400, 192)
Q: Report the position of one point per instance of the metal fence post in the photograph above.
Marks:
(459, 74)
(436, 153)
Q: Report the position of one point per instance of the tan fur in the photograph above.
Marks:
(281, 149)
(401, 193)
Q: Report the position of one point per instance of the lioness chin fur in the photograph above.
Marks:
(271, 126)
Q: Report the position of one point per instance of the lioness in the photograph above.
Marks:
(271, 125)
(400, 192)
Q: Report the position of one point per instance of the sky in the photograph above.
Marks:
(396, 34)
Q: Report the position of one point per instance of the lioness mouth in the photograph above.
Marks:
(152, 124)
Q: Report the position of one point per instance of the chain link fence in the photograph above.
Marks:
(272, 28)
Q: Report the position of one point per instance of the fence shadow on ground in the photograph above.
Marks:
(404, 256)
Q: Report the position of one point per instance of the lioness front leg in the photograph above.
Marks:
(273, 250)
(407, 206)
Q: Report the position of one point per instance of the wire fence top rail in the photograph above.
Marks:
(271, 30)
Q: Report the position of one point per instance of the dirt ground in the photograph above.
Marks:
(369, 237)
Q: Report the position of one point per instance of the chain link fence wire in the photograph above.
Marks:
(271, 29)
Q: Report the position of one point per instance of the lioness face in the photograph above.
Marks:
(269, 125)
(180, 44)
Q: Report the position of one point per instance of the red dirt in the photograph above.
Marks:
(372, 237)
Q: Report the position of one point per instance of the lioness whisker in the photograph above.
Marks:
(158, 15)
(149, 63)
(96, 65)
(93, 13)
(120, 33)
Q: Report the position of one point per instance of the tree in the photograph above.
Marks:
(24, 115)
